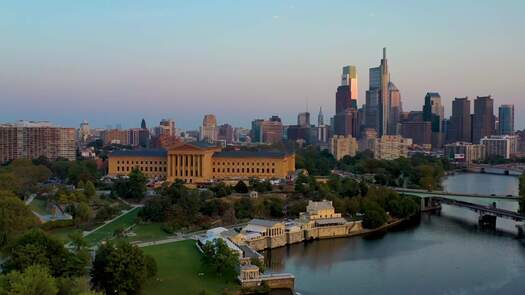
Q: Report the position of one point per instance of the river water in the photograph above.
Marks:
(446, 254)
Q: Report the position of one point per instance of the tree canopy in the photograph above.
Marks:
(121, 268)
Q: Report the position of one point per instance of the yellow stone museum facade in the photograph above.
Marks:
(199, 163)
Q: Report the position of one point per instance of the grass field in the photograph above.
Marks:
(180, 271)
(107, 230)
(148, 232)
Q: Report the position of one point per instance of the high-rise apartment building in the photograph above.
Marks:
(434, 112)
(115, 136)
(341, 146)
(209, 130)
(167, 126)
(506, 119)
(503, 146)
(460, 122)
(84, 132)
(483, 121)
(391, 147)
(30, 140)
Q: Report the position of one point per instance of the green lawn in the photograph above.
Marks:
(179, 265)
(148, 232)
(107, 230)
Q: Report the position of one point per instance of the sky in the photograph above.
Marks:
(118, 61)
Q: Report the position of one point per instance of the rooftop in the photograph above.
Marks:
(250, 154)
(321, 205)
(139, 153)
(263, 222)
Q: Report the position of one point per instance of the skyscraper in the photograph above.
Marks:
(346, 103)
(434, 112)
(460, 121)
(346, 95)
(143, 124)
(303, 119)
(396, 109)
(377, 97)
(483, 119)
(320, 118)
(506, 119)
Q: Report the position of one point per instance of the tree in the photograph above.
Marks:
(221, 190)
(36, 247)
(120, 268)
(137, 184)
(81, 213)
(89, 189)
(243, 208)
(375, 215)
(35, 280)
(15, 217)
(220, 258)
(74, 286)
(241, 187)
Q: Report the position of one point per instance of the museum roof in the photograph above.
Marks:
(249, 154)
(140, 153)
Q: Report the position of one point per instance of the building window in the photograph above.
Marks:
(213, 170)
(273, 170)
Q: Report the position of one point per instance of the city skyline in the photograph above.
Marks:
(260, 60)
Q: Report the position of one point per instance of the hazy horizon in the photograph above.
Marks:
(112, 62)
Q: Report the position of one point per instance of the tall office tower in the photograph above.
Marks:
(143, 124)
(506, 119)
(346, 123)
(345, 119)
(30, 140)
(434, 112)
(267, 131)
(460, 122)
(226, 133)
(377, 97)
(209, 129)
(320, 118)
(346, 95)
(303, 119)
(372, 109)
(396, 109)
(483, 119)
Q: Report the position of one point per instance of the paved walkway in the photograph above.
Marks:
(85, 233)
(183, 237)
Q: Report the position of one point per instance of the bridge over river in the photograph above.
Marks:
(485, 205)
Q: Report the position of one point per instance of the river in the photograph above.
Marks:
(444, 254)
